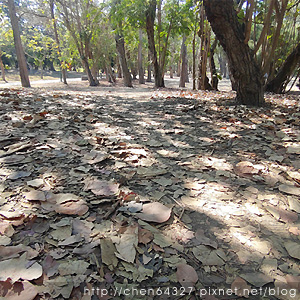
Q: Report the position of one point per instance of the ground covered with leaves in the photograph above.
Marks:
(148, 195)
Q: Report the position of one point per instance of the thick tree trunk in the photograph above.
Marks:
(140, 58)
(150, 17)
(121, 51)
(242, 64)
(183, 63)
(278, 84)
(18, 44)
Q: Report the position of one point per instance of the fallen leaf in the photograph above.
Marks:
(155, 212)
(186, 276)
(293, 249)
(16, 268)
(126, 246)
(108, 250)
(289, 189)
(35, 196)
(23, 290)
(145, 236)
(257, 279)
(245, 169)
(102, 187)
(240, 287)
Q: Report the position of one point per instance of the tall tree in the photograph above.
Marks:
(117, 17)
(80, 18)
(243, 66)
(122, 55)
(18, 44)
(184, 70)
(150, 18)
(140, 58)
(62, 63)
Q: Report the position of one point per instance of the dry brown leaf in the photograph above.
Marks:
(294, 230)
(72, 208)
(186, 275)
(18, 291)
(155, 212)
(16, 268)
(293, 249)
(108, 250)
(145, 236)
(102, 187)
(245, 169)
(293, 281)
(240, 287)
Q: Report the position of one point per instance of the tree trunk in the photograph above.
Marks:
(194, 58)
(213, 69)
(150, 17)
(18, 44)
(2, 68)
(171, 72)
(119, 69)
(278, 84)
(121, 51)
(110, 75)
(149, 79)
(242, 64)
(140, 58)
(92, 80)
(62, 64)
(183, 63)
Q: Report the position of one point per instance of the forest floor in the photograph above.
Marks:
(117, 193)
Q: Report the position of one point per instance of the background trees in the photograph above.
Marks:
(174, 37)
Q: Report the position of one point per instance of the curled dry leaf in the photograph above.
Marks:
(72, 208)
(68, 204)
(155, 212)
(245, 169)
(186, 275)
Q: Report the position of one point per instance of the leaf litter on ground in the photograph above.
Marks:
(178, 189)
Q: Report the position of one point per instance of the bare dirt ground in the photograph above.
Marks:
(117, 193)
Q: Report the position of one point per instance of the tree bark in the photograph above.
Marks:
(121, 50)
(92, 81)
(2, 68)
(242, 64)
(18, 44)
(150, 17)
(183, 63)
(278, 84)
(213, 69)
(119, 69)
(149, 67)
(140, 58)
